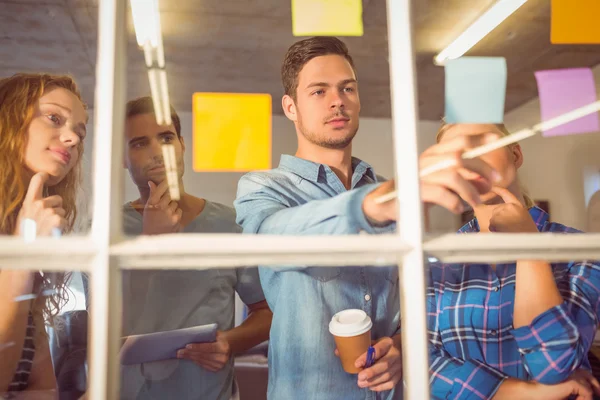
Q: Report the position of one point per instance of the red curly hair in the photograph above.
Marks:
(19, 97)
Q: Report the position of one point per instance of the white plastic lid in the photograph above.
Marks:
(349, 323)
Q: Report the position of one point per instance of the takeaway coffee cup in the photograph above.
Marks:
(351, 330)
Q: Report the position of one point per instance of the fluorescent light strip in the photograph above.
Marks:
(28, 230)
(159, 88)
(160, 51)
(154, 91)
(171, 171)
(148, 55)
(496, 144)
(479, 29)
(504, 141)
(159, 91)
(173, 185)
(568, 117)
(467, 155)
(164, 96)
(146, 21)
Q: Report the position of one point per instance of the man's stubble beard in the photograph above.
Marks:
(324, 141)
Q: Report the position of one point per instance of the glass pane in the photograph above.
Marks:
(224, 85)
(193, 328)
(488, 321)
(164, 305)
(46, 97)
(43, 334)
(226, 151)
(504, 318)
(215, 148)
(556, 170)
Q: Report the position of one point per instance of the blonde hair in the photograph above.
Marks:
(504, 132)
(19, 96)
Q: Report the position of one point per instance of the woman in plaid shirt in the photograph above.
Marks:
(510, 331)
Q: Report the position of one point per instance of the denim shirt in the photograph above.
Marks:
(305, 198)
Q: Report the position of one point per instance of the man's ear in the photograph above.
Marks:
(517, 153)
(182, 143)
(289, 108)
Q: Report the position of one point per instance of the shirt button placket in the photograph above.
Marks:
(367, 295)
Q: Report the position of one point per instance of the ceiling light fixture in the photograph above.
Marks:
(493, 17)
(146, 21)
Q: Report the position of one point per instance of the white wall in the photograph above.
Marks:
(560, 169)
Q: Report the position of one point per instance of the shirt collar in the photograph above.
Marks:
(539, 216)
(310, 170)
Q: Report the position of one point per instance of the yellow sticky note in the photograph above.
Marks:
(327, 18)
(232, 131)
(575, 22)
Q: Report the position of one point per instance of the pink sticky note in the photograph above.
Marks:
(565, 90)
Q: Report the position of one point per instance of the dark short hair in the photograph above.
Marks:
(305, 50)
(144, 105)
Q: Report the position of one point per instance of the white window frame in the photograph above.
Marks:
(105, 251)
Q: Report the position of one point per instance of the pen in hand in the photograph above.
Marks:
(370, 357)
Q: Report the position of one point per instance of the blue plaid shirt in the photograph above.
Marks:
(473, 346)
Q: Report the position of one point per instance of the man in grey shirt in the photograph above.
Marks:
(160, 300)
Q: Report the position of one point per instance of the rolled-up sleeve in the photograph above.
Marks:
(557, 341)
(248, 285)
(262, 209)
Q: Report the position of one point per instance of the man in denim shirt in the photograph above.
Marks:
(324, 190)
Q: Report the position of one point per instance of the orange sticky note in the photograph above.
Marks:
(327, 18)
(575, 22)
(232, 131)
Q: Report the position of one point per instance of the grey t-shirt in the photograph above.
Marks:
(160, 300)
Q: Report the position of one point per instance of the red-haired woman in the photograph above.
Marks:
(42, 127)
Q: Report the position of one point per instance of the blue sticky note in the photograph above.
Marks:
(475, 90)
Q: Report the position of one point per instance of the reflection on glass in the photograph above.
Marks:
(42, 147)
(43, 334)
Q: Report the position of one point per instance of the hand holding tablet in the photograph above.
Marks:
(159, 346)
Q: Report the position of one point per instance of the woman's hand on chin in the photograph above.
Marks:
(510, 216)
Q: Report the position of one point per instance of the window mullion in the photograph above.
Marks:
(106, 294)
(412, 274)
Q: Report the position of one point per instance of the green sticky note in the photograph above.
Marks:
(475, 90)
